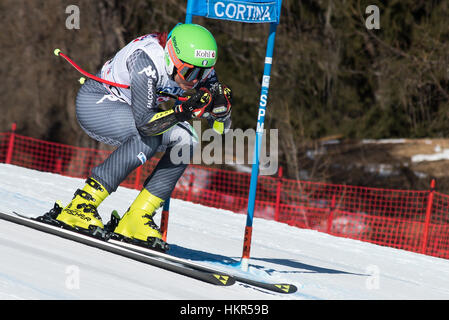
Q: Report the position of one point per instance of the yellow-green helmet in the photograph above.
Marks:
(191, 51)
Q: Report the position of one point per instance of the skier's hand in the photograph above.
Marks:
(222, 100)
(195, 107)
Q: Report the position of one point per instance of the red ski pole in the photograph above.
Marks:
(58, 52)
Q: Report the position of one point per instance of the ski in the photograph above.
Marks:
(152, 257)
(285, 288)
(213, 277)
(276, 287)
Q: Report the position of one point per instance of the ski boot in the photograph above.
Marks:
(137, 225)
(81, 213)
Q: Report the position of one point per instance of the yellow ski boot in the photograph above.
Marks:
(81, 213)
(137, 225)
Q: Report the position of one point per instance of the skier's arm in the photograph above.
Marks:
(220, 126)
(144, 77)
(221, 123)
(149, 120)
(220, 113)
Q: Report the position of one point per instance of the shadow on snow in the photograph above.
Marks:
(198, 255)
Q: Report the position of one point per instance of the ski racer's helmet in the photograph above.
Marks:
(190, 51)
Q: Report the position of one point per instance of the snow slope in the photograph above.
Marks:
(35, 265)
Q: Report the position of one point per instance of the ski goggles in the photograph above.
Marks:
(190, 73)
(185, 70)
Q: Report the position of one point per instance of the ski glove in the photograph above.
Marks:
(195, 106)
(222, 100)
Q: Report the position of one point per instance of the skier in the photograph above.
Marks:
(153, 66)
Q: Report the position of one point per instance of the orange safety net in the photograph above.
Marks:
(406, 219)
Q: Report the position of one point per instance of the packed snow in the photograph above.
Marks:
(35, 265)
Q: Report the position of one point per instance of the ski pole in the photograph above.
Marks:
(58, 52)
(164, 219)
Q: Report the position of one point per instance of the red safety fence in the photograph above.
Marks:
(406, 219)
